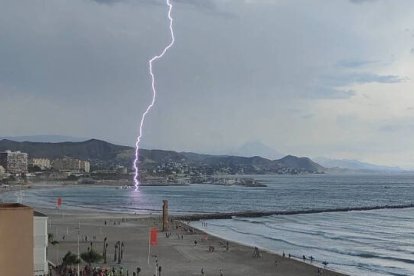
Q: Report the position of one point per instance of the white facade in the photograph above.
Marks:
(14, 162)
(71, 164)
(40, 242)
(86, 166)
(42, 163)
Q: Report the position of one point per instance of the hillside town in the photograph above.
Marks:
(99, 162)
(16, 166)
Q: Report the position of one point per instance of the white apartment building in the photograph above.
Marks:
(40, 242)
(86, 166)
(71, 164)
(14, 162)
(42, 163)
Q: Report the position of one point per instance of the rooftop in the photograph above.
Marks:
(13, 206)
(38, 214)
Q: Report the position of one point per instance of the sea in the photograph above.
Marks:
(376, 242)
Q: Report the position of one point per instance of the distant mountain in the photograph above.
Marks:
(355, 165)
(300, 162)
(257, 148)
(232, 164)
(44, 138)
(102, 154)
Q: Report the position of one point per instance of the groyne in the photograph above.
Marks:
(253, 214)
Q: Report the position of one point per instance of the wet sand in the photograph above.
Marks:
(176, 256)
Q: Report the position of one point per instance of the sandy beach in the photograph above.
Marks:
(177, 256)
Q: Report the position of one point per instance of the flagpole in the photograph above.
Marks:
(149, 244)
(78, 248)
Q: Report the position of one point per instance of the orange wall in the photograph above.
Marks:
(16, 240)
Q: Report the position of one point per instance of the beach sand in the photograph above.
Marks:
(177, 257)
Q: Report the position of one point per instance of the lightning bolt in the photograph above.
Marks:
(154, 93)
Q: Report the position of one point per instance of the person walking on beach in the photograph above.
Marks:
(256, 252)
(221, 272)
(202, 271)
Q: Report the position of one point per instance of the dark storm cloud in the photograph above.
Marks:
(201, 4)
(207, 5)
(371, 78)
(362, 1)
(344, 79)
(108, 1)
(331, 93)
(79, 68)
(398, 127)
(330, 87)
(355, 63)
(210, 7)
(308, 116)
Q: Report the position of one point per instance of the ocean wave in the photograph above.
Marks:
(307, 229)
(371, 255)
(319, 247)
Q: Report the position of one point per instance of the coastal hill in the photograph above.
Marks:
(103, 155)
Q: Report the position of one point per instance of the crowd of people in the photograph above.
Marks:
(96, 271)
(180, 228)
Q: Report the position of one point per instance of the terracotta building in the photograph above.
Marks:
(16, 240)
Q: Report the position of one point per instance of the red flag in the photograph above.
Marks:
(154, 236)
(59, 202)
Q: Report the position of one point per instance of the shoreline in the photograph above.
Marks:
(313, 263)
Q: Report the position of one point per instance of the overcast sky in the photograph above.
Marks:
(310, 78)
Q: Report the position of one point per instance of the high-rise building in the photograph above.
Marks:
(40, 242)
(85, 166)
(14, 162)
(71, 164)
(42, 163)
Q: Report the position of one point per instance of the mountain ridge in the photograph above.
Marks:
(103, 154)
(47, 138)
